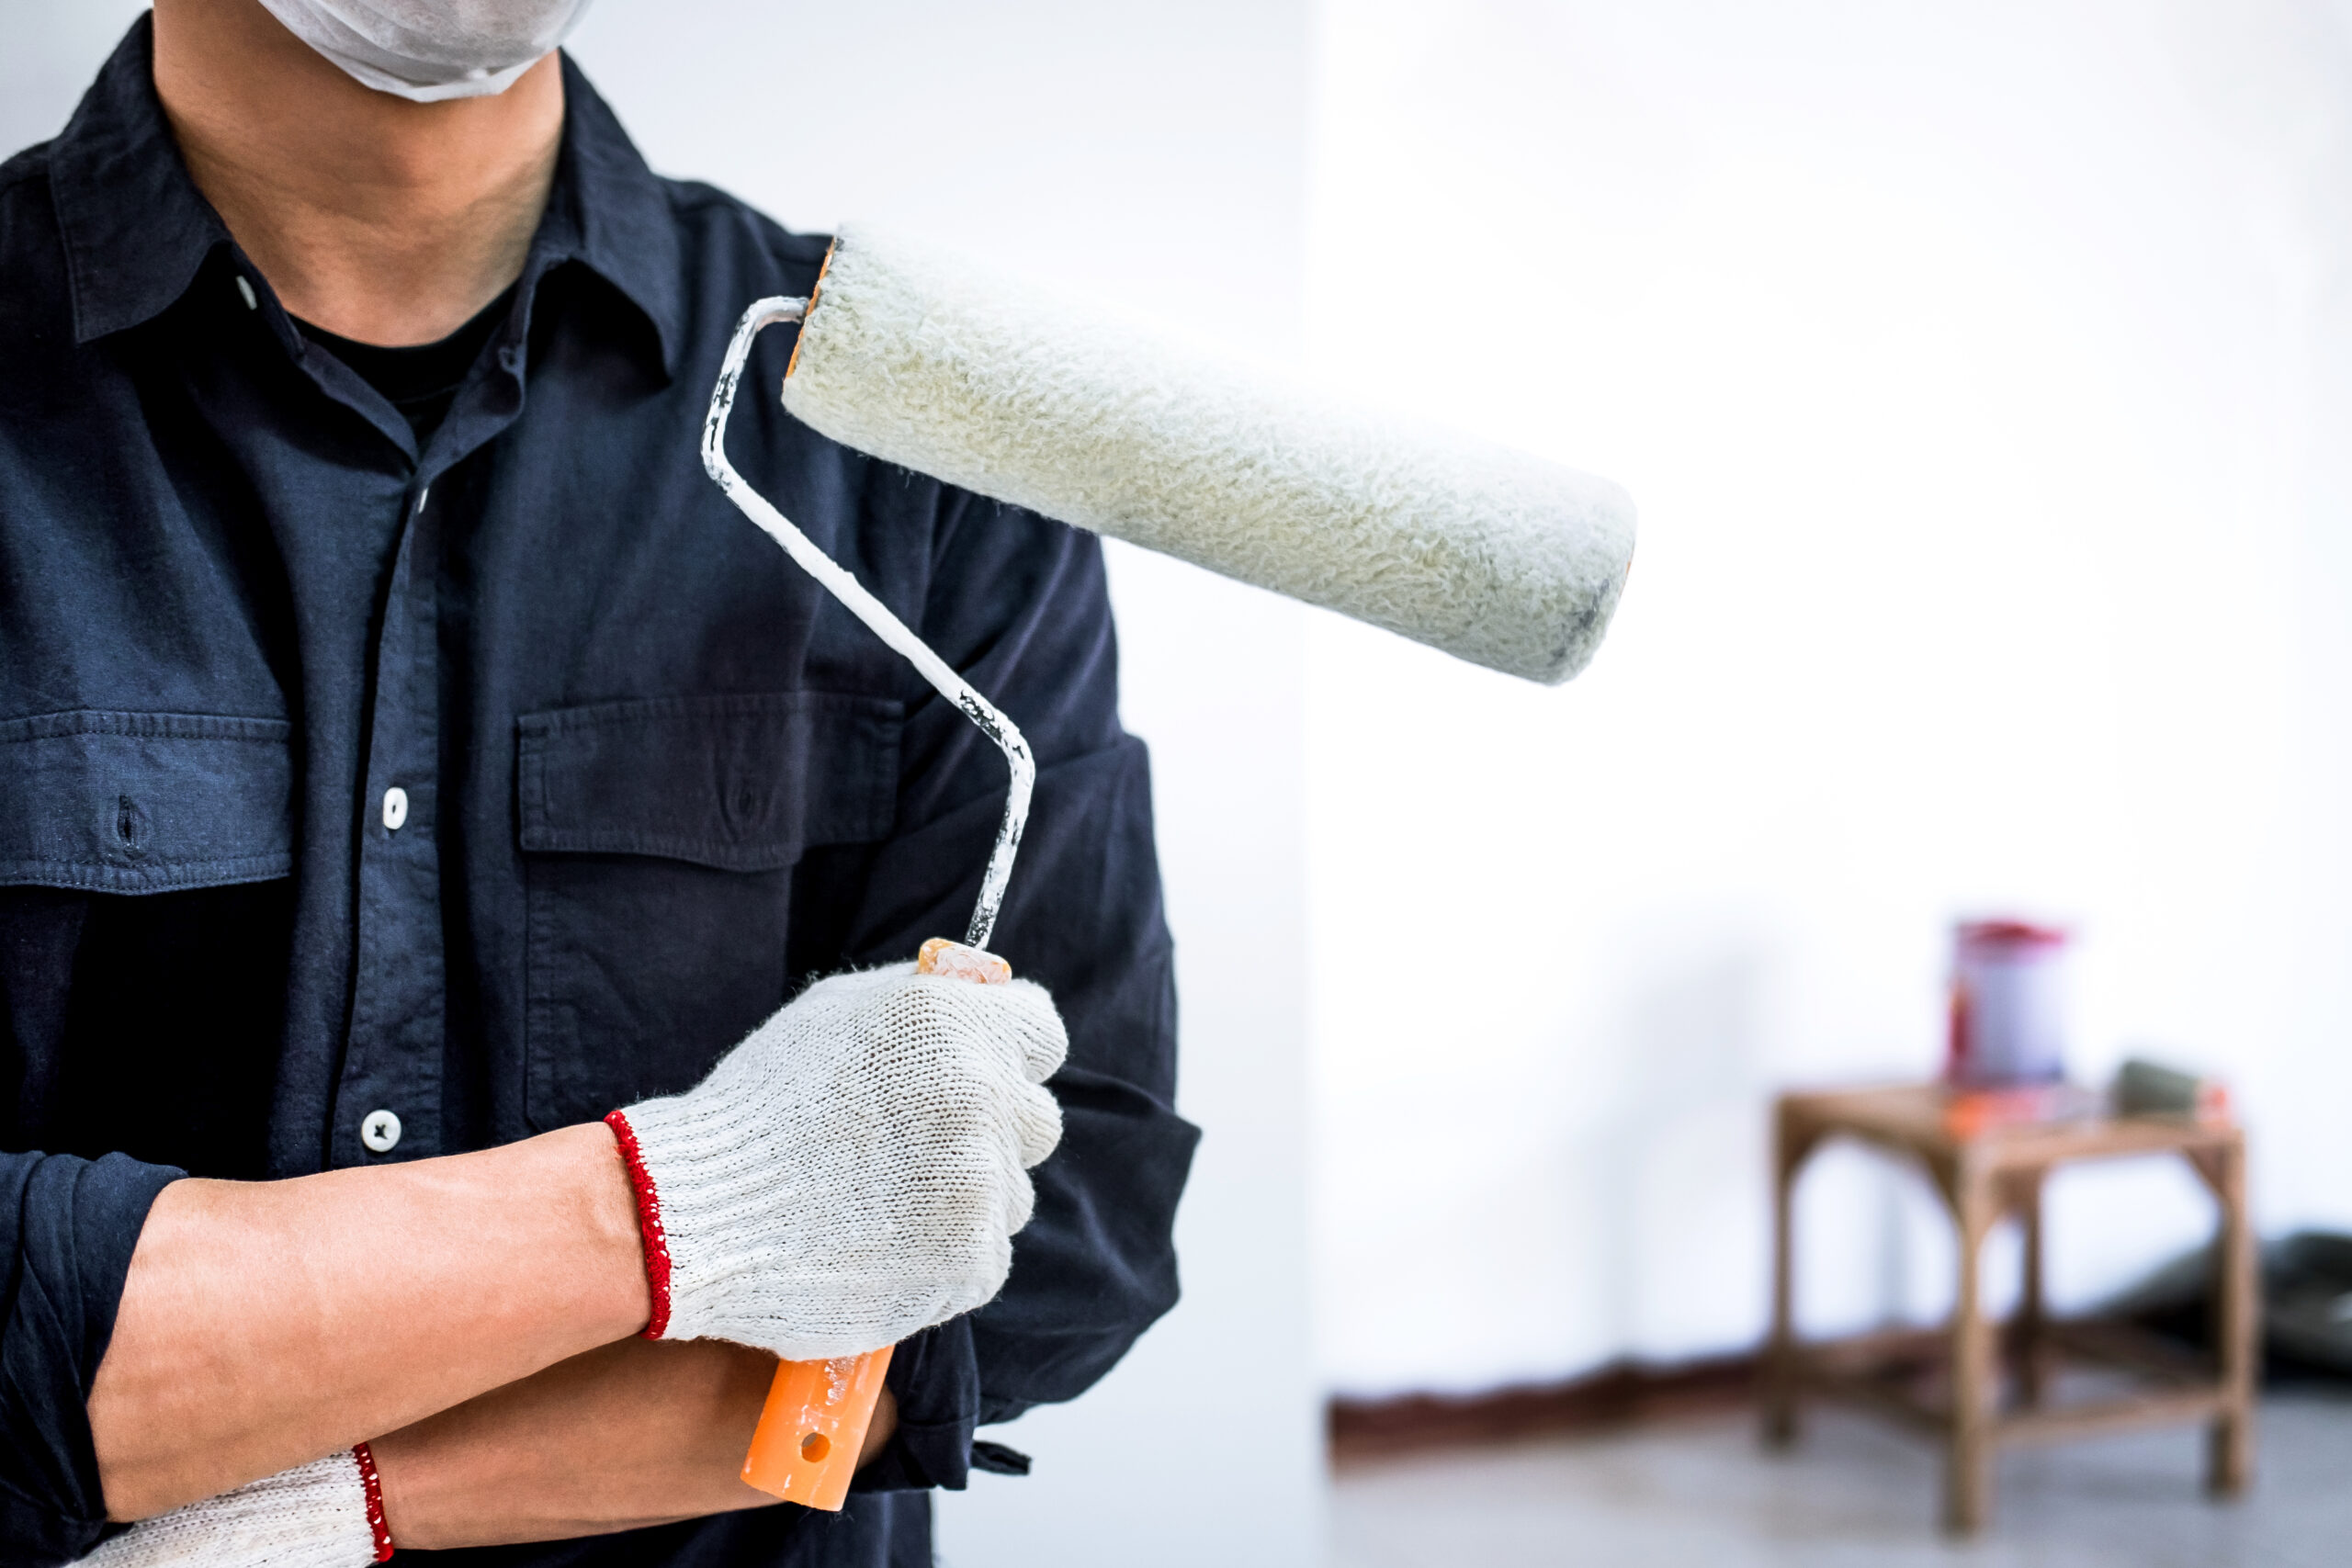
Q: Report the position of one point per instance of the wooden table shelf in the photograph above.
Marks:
(1949, 1383)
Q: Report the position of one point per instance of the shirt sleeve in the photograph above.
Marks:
(67, 1229)
(1019, 605)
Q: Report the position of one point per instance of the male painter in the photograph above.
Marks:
(457, 877)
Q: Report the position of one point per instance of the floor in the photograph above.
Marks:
(1701, 1494)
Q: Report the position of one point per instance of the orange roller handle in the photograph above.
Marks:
(812, 1428)
(815, 1421)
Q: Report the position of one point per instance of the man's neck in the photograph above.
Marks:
(379, 219)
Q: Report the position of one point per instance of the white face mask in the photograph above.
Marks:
(431, 50)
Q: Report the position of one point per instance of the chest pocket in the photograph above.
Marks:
(658, 842)
(152, 1000)
(109, 802)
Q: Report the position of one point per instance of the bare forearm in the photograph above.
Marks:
(635, 1433)
(264, 1323)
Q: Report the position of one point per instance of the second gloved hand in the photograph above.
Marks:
(326, 1514)
(854, 1170)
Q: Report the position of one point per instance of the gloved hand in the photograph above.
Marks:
(326, 1514)
(854, 1170)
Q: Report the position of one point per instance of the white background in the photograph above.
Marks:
(1980, 371)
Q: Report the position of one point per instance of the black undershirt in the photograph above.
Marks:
(420, 381)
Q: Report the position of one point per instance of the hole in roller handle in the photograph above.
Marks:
(813, 1426)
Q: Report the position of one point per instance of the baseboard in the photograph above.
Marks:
(1616, 1395)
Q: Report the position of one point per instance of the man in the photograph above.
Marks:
(406, 752)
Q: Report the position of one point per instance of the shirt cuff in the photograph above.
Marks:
(76, 1222)
(935, 1378)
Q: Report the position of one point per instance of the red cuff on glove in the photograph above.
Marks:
(375, 1489)
(649, 1224)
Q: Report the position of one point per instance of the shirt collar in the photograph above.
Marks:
(136, 228)
(611, 213)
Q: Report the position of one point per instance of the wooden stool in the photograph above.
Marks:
(1984, 1172)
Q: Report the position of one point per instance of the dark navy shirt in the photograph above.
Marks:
(654, 777)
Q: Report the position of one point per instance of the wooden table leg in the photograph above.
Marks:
(2030, 1310)
(1777, 1408)
(1968, 1461)
(2229, 1464)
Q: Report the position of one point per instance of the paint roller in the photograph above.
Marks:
(917, 355)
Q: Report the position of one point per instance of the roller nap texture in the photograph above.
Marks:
(913, 354)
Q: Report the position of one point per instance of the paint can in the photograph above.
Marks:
(2008, 1023)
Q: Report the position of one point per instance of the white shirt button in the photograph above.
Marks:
(245, 292)
(381, 1131)
(395, 808)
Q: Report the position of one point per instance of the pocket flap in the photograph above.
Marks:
(144, 802)
(735, 782)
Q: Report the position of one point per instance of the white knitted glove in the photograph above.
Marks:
(851, 1172)
(326, 1514)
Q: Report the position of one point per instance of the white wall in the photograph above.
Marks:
(1981, 370)
(1154, 155)
(47, 54)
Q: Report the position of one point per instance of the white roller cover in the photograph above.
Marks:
(916, 355)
